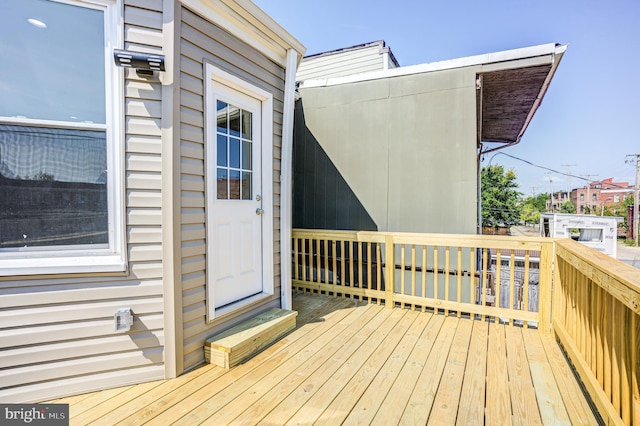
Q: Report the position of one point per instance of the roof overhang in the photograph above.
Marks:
(510, 92)
(245, 20)
(511, 85)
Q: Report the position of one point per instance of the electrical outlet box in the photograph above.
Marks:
(123, 320)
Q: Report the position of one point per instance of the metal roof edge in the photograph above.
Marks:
(556, 58)
(380, 43)
(553, 49)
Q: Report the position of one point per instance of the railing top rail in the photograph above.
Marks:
(618, 278)
(458, 240)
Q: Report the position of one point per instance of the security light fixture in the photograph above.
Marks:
(143, 63)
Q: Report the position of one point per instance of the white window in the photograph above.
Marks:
(60, 138)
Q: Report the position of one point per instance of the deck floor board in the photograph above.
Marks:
(349, 362)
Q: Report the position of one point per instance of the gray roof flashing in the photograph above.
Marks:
(550, 49)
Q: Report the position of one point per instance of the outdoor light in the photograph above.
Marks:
(143, 63)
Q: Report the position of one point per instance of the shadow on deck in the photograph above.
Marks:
(350, 362)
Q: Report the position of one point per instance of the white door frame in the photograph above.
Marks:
(213, 73)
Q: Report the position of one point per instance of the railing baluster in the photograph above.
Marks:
(402, 279)
(343, 276)
(378, 269)
(496, 284)
(472, 277)
(351, 274)
(447, 255)
(360, 281)
(326, 262)
(424, 275)
(525, 285)
(413, 273)
(625, 365)
(459, 287)
(318, 262)
(593, 321)
(483, 283)
(607, 343)
(390, 267)
(334, 252)
(615, 355)
(304, 263)
(512, 281)
(436, 273)
(296, 253)
(369, 278)
(635, 367)
(599, 315)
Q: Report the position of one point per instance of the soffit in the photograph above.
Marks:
(509, 98)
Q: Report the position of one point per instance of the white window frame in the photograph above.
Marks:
(213, 73)
(58, 260)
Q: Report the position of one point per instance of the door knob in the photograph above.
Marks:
(259, 211)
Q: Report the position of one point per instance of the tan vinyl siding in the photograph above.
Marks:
(56, 332)
(339, 64)
(201, 40)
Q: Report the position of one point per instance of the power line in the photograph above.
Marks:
(558, 172)
(568, 166)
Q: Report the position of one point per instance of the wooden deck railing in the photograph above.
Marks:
(596, 318)
(473, 275)
(596, 299)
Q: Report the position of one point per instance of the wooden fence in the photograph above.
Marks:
(596, 319)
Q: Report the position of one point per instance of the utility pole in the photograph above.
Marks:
(588, 190)
(551, 185)
(568, 166)
(533, 190)
(636, 193)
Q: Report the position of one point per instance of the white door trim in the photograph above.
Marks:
(215, 74)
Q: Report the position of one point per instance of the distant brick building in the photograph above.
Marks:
(556, 201)
(593, 197)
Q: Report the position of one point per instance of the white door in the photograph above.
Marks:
(235, 219)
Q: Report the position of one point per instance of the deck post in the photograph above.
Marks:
(390, 270)
(546, 287)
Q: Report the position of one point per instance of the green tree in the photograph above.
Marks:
(530, 214)
(568, 207)
(500, 198)
(539, 202)
(532, 207)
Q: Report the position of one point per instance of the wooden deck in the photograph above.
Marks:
(349, 362)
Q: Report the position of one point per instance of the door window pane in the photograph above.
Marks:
(246, 155)
(222, 117)
(234, 120)
(221, 156)
(246, 186)
(234, 185)
(246, 124)
(222, 184)
(234, 153)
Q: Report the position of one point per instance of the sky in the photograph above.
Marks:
(588, 121)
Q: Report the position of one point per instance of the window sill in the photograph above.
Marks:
(54, 265)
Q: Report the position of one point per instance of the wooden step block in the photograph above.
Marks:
(242, 341)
